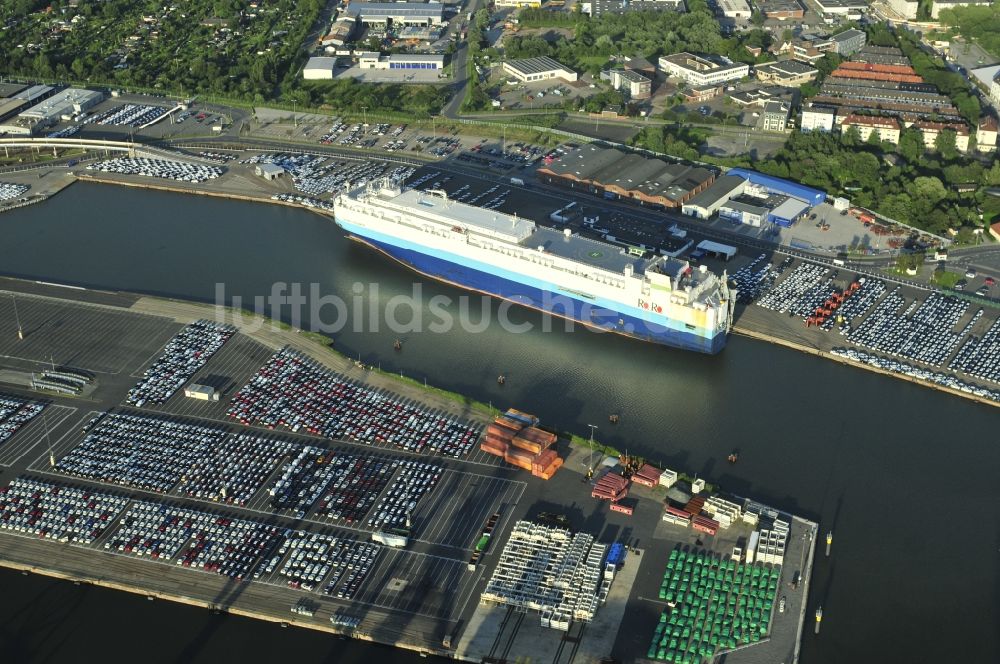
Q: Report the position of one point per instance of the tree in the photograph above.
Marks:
(945, 143)
(852, 136)
(757, 18)
(874, 139)
(911, 144)
(787, 34)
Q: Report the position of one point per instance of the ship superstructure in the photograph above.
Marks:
(659, 299)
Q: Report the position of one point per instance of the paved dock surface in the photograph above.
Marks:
(413, 598)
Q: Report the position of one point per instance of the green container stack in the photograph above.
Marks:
(718, 605)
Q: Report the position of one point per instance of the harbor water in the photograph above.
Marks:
(904, 475)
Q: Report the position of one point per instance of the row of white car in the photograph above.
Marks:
(9, 190)
(158, 168)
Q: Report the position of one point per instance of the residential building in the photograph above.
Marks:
(986, 135)
(789, 73)
(939, 5)
(812, 51)
(995, 90)
(401, 61)
(780, 9)
(397, 13)
(775, 116)
(538, 69)
(699, 71)
(319, 69)
(734, 8)
(849, 42)
(905, 8)
(818, 118)
(637, 85)
(931, 130)
(886, 128)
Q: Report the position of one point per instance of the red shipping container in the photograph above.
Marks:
(624, 509)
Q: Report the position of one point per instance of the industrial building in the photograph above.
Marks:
(340, 32)
(20, 99)
(319, 69)
(598, 7)
(780, 9)
(776, 185)
(940, 5)
(62, 106)
(396, 13)
(904, 8)
(616, 174)
(734, 8)
(774, 117)
(741, 212)
(637, 85)
(538, 69)
(268, 171)
(851, 10)
(401, 61)
(818, 118)
(700, 70)
(708, 202)
(849, 41)
(789, 73)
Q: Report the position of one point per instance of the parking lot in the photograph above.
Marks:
(73, 335)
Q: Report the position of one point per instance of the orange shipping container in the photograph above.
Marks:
(498, 439)
(544, 460)
(529, 445)
(519, 462)
(500, 432)
(493, 448)
(538, 436)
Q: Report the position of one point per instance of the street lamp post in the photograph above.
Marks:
(20, 330)
(590, 468)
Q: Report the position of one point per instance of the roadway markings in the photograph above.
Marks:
(34, 433)
(76, 335)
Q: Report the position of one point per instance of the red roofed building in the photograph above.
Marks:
(932, 129)
(887, 128)
(986, 135)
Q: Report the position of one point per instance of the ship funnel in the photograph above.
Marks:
(567, 232)
(629, 270)
(541, 247)
(703, 269)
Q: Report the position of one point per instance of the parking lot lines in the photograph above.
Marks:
(76, 335)
(460, 505)
(34, 433)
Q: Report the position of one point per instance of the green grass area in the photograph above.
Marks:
(945, 279)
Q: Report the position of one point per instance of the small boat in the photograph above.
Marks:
(397, 344)
(501, 379)
(613, 418)
(734, 456)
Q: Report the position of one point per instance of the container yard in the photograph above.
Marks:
(320, 497)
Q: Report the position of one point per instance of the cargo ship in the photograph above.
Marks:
(649, 297)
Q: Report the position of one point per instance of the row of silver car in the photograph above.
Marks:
(15, 413)
(148, 453)
(902, 368)
(182, 357)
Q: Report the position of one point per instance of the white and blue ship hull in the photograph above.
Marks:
(590, 310)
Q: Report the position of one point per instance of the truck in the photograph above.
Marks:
(518, 181)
